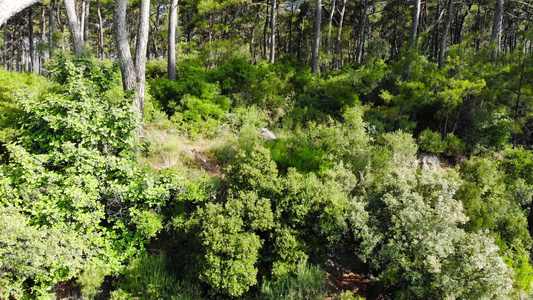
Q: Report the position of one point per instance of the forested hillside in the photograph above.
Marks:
(245, 149)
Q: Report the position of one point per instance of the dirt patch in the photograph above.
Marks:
(347, 273)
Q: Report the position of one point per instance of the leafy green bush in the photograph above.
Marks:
(455, 147)
(148, 278)
(307, 282)
(431, 141)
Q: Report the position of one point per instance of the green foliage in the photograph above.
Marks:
(147, 277)
(307, 282)
(45, 254)
(431, 141)
(421, 250)
(91, 280)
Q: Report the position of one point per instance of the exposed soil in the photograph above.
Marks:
(346, 272)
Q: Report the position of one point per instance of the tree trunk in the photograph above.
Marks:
(338, 48)
(31, 40)
(273, 32)
(289, 49)
(9, 8)
(416, 20)
(74, 26)
(43, 37)
(100, 33)
(316, 42)
(52, 26)
(85, 27)
(330, 25)
(497, 30)
(172, 24)
(361, 42)
(265, 34)
(140, 53)
(445, 34)
(123, 48)
(6, 38)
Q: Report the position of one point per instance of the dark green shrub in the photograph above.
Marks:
(431, 141)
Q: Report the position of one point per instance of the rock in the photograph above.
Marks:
(430, 161)
(268, 134)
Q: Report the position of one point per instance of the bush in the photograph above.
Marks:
(431, 141)
(148, 278)
(307, 282)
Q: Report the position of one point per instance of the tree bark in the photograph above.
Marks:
(74, 26)
(273, 32)
(6, 38)
(31, 40)
(172, 25)
(9, 8)
(123, 48)
(316, 42)
(416, 20)
(140, 53)
(43, 37)
(330, 25)
(445, 34)
(361, 42)
(265, 34)
(497, 30)
(338, 48)
(85, 27)
(52, 28)
(100, 33)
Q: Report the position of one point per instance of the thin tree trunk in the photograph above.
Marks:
(316, 42)
(273, 32)
(445, 34)
(265, 34)
(497, 30)
(31, 40)
(361, 42)
(330, 25)
(74, 26)
(85, 27)
(416, 20)
(6, 38)
(123, 48)
(290, 27)
(100, 33)
(140, 53)
(52, 26)
(338, 48)
(172, 24)
(43, 37)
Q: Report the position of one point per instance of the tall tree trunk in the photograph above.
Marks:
(52, 26)
(445, 34)
(338, 47)
(31, 40)
(85, 27)
(140, 53)
(289, 49)
(172, 24)
(273, 32)
(100, 33)
(316, 42)
(265, 33)
(9, 8)
(43, 37)
(497, 30)
(330, 25)
(6, 39)
(416, 20)
(361, 42)
(74, 26)
(123, 47)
